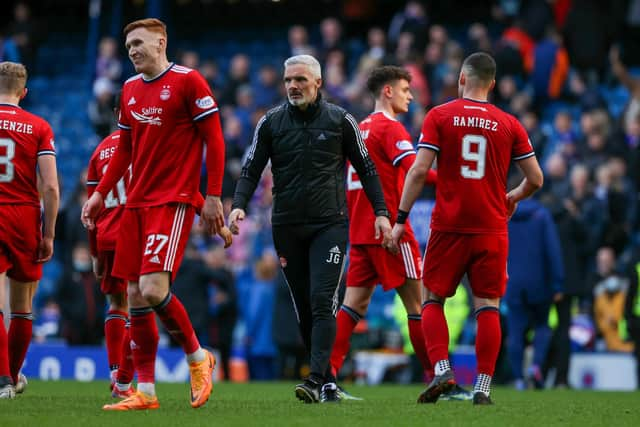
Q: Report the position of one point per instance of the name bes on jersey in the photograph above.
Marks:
(475, 122)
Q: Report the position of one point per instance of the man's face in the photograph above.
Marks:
(145, 48)
(302, 87)
(400, 96)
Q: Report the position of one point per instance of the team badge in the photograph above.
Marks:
(165, 93)
(206, 102)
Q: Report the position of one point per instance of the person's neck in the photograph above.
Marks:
(476, 95)
(8, 99)
(158, 69)
(385, 107)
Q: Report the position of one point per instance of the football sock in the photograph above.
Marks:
(176, 320)
(4, 349)
(19, 337)
(197, 356)
(435, 331)
(144, 343)
(346, 320)
(488, 339)
(483, 384)
(442, 366)
(125, 370)
(147, 388)
(114, 325)
(417, 341)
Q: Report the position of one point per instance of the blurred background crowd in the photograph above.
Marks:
(568, 69)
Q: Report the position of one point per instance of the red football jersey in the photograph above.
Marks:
(475, 142)
(167, 149)
(23, 137)
(388, 142)
(107, 222)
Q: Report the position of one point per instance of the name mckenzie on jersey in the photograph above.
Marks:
(149, 115)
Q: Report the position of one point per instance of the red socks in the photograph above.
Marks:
(114, 327)
(176, 320)
(346, 320)
(488, 339)
(417, 341)
(4, 349)
(19, 337)
(144, 343)
(435, 331)
(125, 370)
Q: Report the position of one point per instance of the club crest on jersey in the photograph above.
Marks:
(206, 102)
(404, 145)
(165, 93)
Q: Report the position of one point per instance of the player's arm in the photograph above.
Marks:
(92, 182)
(431, 177)
(256, 159)
(531, 183)
(51, 199)
(416, 178)
(210, 131)
(356, 151)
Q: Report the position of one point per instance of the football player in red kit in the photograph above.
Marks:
(475, 143)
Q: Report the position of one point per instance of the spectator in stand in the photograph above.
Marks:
(374, 54)
(266, 89)
(531, 123)
(631, 83)
(108, 63)
(562, 138)
(331, 38)
(211, 73)
(82, 305)
(412, 19)
(550, 68)
(238, 76)
(244, 107)
(299, 41)
(556, 171)
(24, 33)
(190, 59)
(479, 40)
(610, 292)
(100, 108)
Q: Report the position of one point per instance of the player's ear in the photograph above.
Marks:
(492, 85)
(462, 80)
(387, 90)
(24, 93)
(319, 83)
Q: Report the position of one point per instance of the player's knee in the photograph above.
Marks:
(118, 302)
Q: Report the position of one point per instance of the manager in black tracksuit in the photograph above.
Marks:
(308, 141)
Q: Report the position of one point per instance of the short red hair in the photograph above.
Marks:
(151, 24)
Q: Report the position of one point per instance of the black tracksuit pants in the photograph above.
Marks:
(312, 257)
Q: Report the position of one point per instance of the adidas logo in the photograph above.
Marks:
(155, 259)
(132, 101)
(322, 137)
(335, 250)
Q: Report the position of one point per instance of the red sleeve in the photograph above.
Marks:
(211, 131)
(46, 144)
(397, 144)
(118, 165)
(522, 147)
(199, 97)
(123, 115)
(430, 137)
(199, 203)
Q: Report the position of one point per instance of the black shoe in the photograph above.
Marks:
(308, 391)
(479, 398)
(439, 385)
(329, 393)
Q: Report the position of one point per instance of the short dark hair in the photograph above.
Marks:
(480, 66)
(386, 74)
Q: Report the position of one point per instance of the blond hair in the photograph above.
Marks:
(151, 24)
(13, 78)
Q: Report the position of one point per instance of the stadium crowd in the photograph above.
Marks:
(576, 92)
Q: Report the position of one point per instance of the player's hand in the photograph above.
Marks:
(512, 205)
(212, 217)
(382, 228)
(226, 235)
(396, 235)
(90, 210)
(98, 268)
(235, 217)
(45, 250)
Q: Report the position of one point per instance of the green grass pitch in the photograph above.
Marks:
(68, 404)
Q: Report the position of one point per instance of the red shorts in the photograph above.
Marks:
(483, 257)
(110, 284)
(20, 235)
(372, 264)
(152, 239)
